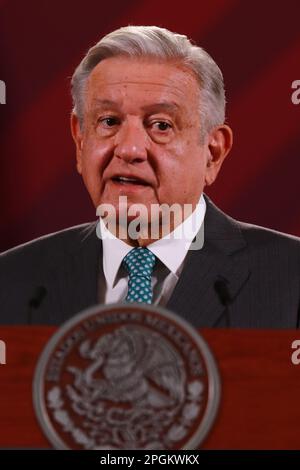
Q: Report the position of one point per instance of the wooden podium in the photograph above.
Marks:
(260, 397)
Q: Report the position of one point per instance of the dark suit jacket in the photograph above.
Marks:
(259, 270)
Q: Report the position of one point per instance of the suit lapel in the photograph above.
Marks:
(72, 282)
(84, 271)
(223, 256)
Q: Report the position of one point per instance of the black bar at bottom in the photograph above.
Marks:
(144, 459)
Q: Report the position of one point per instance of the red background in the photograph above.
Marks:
(257, 46)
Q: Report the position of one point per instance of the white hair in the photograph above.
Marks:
(159, 43)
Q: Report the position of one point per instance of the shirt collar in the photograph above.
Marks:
(114, 251)
(170, 250)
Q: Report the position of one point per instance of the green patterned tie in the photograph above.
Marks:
(139, 264)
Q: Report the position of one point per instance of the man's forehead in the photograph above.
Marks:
(163, 82)
(121, 68)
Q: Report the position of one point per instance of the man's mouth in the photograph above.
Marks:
(129, 181)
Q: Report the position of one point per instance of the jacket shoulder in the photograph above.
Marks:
(47, 249)
(263, 236)
(224, 227)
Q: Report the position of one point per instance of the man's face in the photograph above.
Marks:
(142, 122)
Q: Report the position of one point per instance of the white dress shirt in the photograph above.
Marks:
(170, 252)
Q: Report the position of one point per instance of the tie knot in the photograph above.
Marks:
(139, 262)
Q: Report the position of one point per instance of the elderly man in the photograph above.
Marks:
(148, 124)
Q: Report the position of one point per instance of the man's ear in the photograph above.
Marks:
(78, 139)
(219, 143)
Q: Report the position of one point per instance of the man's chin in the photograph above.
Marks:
(125, 207)
(127, 215)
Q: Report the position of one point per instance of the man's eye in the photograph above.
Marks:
(108, 121)
(162, 126)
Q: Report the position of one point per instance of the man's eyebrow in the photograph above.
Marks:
(169, 107)
(105, 103)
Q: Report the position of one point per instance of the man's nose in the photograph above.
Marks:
(131, 142)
